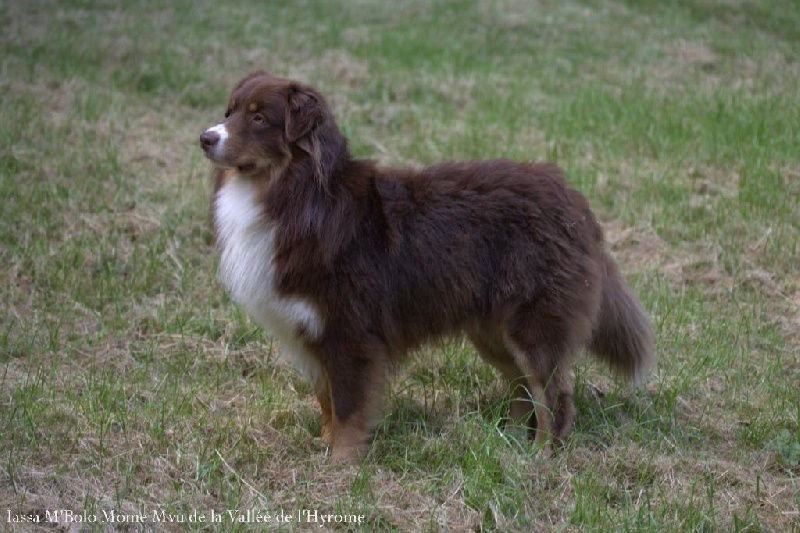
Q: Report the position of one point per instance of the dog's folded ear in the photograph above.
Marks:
(304, 112)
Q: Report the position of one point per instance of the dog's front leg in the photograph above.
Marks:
(356, 384)
(323, 394)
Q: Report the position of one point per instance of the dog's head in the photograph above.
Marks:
(270, 123)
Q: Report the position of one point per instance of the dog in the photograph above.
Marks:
(352, 266)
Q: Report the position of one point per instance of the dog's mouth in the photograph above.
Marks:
(246, 168)
(214, 158)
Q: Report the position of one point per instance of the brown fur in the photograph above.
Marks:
(392, 258)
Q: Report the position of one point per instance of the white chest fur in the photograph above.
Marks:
(247, 268)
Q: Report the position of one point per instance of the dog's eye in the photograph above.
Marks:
(258, 118)
(227, 113)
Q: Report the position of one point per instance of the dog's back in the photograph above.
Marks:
(467, 242)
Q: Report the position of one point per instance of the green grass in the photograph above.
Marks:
(130, 382)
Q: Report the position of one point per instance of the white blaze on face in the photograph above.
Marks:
(222, 131)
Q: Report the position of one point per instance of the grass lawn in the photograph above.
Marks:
(134, 392)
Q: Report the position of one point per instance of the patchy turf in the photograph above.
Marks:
(130, 384)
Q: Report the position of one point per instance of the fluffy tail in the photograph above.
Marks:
(623, 334)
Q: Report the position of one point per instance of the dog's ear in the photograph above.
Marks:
(304, 112)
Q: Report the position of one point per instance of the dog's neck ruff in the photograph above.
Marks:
(247, 269)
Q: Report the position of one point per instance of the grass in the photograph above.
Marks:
(130, 383)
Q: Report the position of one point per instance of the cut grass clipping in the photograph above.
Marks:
(133, 391)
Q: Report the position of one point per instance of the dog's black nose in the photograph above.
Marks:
(209, 139)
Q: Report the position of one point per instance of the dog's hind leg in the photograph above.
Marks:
(492, 348)
(537, 386)
(564, 407)
(542, 346)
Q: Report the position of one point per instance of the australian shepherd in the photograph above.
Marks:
(351, 266)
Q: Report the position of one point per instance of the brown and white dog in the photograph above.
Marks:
(351, 266)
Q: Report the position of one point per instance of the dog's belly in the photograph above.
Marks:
(247, 270)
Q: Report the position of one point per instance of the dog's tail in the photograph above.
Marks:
(622, 334)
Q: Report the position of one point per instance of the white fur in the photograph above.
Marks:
(247, 269)
(222, 131)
